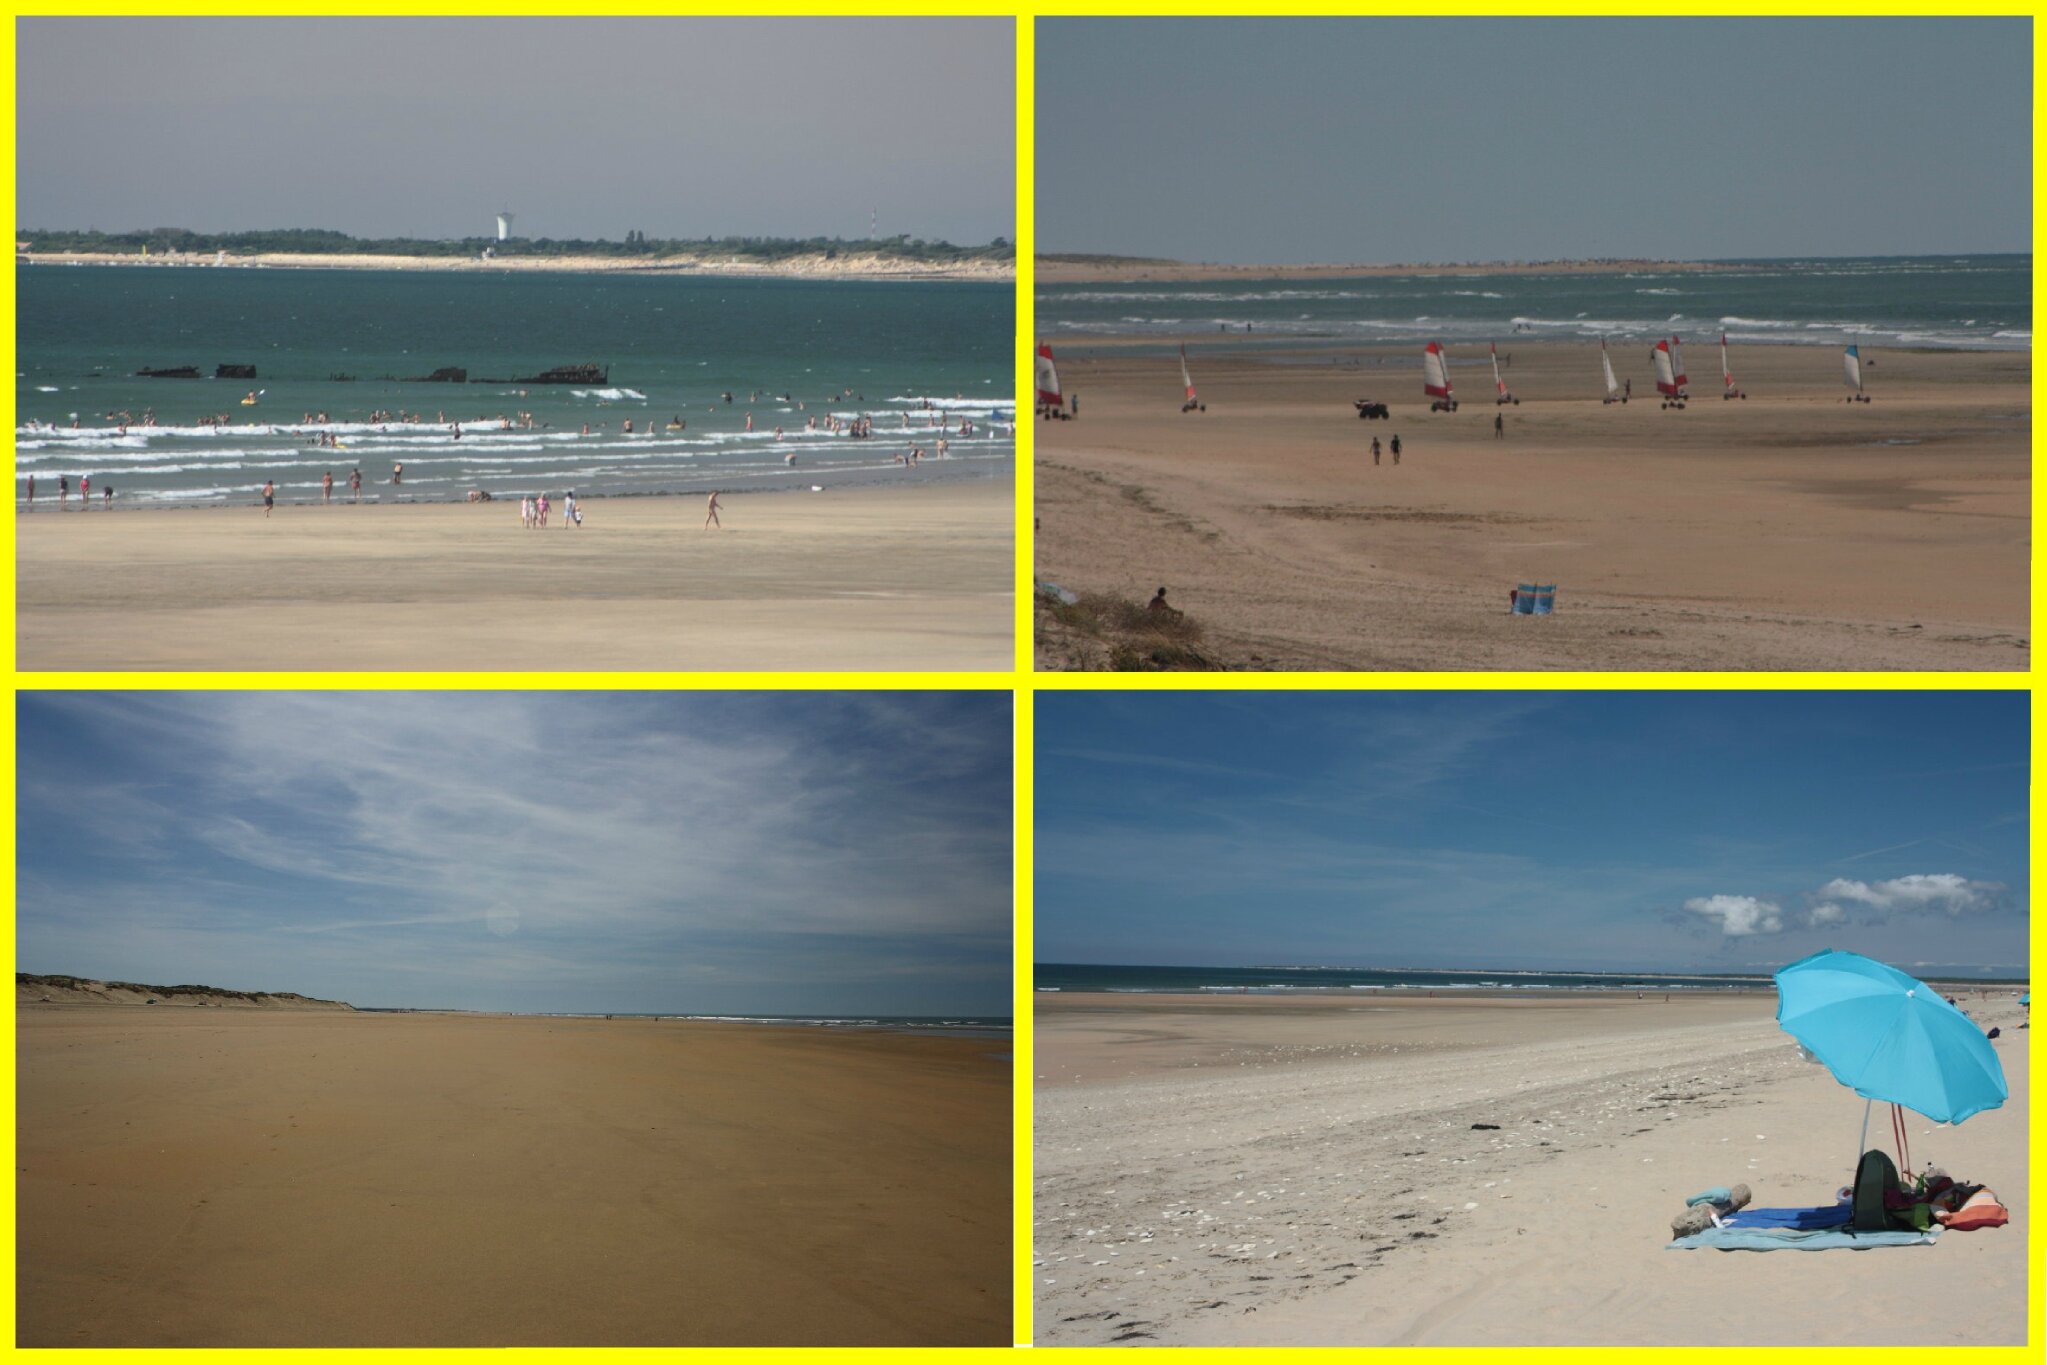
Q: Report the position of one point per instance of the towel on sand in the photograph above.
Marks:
(1797, 1238)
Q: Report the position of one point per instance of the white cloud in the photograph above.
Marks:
(1739, 916)
(1944, 891)
(1826, 914)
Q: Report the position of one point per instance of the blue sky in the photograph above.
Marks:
(1377, 140)
(1687, 831)
(779, 852)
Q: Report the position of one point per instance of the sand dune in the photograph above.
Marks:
(1788, 531)
(220, 1178)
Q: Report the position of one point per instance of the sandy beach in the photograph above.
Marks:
(1240, 1170)
(851, 266)
(212, 1177)
(1788, 531)
(849, 579)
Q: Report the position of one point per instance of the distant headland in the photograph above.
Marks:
(899, 257)
(1079, 268)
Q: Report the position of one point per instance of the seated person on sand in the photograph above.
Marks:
(1158, 605)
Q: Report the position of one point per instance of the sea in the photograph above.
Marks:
(950, 1026)
(1084, 977)
(915, 357)
(1937, 302)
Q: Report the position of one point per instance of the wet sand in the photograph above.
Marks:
(1257, 1170)
(849, 579)
(202, 1177)
(1787, 531)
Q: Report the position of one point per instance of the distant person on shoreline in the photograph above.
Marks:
(1395, 448)
(327, 487)
(269, 498)
(711, 514)
(63, 490)
(31, 492)
(397, 473)
(107, 498)
(355, 483)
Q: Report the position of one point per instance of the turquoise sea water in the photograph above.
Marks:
(1944, 302)
(917, 358)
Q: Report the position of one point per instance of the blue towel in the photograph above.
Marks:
(1797, 1239)
(1805, 1220)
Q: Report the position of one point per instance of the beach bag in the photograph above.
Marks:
(1980, 1210)
(1876, 1183)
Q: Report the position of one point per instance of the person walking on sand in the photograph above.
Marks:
(526, 512)
(711, 514)
(540, 510)
(31, 492)
(570, 517)
(269, 498)
(1499, 426)
(1375, 450)
(1394, 446)
(327, 487)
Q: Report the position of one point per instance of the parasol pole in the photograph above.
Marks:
(1862, 1143)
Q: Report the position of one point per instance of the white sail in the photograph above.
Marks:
(1666, 377)
(1726, 375)
(1048, 380)
(1852, 361)
(1606, 362)
(1435, 371)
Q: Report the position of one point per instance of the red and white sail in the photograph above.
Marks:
(1613, 387)
(1499, 384)
(1726, 375)
(1677, 362)
(1048, 379)
(1666, 375)
(1186, 378)
(1435, 371)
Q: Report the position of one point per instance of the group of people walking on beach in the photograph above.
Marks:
(534, 509)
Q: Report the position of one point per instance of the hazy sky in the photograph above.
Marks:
(1384, 140)
(781, 852)
(583, 128)
(1690, 831)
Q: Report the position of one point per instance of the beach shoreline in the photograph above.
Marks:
(864, 578)
(808, 267)
(1288, 1170)
(1738, 535)
(504, 1180)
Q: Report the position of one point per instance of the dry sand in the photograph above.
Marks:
(918, 577)
(1780, 532)
(202, 1177)
(1304, 1171)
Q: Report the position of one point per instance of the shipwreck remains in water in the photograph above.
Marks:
(447, 374)
(179, 372)
(234, 371)
(561, 374)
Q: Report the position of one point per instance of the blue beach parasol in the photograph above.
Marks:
(1888, 1036)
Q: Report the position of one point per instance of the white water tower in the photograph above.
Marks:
(504, 227)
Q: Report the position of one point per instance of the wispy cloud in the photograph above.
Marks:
(546, 830)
